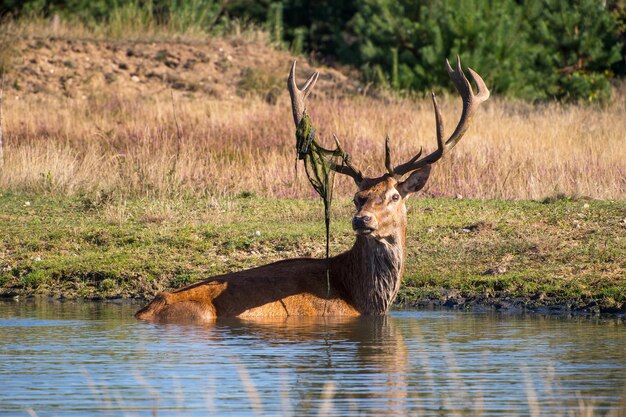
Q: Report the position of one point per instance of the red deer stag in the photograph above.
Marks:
(363, 280)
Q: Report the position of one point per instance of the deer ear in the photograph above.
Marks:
(415, 182)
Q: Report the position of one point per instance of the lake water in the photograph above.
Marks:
(87, 358)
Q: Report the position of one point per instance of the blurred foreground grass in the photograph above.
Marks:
(556, 252)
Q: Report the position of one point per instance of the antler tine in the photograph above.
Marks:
(298, 96)
(308, 85)
(346, 168)
(471, 102)
(388, 164)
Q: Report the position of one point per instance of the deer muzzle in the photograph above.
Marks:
(364, 223)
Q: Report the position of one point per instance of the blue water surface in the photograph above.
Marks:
(93, 358)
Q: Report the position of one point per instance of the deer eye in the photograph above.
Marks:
(395, 197)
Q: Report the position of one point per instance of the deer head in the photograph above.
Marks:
(380, 201)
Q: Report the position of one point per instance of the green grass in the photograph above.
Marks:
(563, 252)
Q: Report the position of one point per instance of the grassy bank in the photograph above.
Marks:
(558, 252)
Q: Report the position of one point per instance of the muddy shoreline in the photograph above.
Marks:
(451, 300)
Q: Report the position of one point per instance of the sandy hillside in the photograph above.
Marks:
(219, 68)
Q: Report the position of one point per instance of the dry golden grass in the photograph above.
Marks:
(126, 143)
(89, 110)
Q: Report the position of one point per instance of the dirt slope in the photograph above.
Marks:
(220, 68)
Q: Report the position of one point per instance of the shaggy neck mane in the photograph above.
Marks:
(370, 273)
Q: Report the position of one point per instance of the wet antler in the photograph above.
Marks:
(298, 107)
(471, 102)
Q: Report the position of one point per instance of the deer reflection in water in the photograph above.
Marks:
(331, 348)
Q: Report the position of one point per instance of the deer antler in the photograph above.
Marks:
(298, 96)
(298, 107)
(471, 102)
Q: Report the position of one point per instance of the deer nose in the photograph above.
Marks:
(361, 222)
